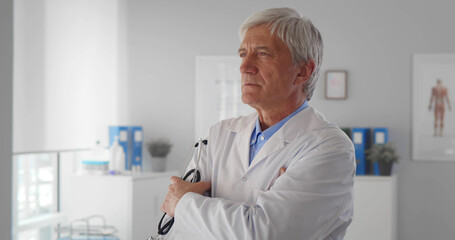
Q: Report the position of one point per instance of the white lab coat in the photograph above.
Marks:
(313, 199)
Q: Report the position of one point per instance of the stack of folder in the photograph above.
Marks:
(131, 139)
(363, 138)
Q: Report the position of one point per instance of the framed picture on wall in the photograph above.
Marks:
(336, 84)
(433, 117)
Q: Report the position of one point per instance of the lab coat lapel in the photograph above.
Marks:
(286, 134)
(242, 142)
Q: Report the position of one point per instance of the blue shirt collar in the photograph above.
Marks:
(273, 129)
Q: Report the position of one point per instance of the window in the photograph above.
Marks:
(35, 204)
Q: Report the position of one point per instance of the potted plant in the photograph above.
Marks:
(159, 149)
(384, 155)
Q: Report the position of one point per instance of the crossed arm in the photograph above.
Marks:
(178, 188)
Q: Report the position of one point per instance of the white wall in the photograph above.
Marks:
(372, 40)
(67, 73)
(6, 113)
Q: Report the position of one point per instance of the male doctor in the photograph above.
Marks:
(284, 172)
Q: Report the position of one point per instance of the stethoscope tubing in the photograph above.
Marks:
(164, 229)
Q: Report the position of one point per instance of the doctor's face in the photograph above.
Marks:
(268, 74)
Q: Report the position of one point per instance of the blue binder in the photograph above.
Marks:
(361, 139)
(136, 136)
(380, 136)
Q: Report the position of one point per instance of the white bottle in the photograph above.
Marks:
(120, 161)
(117, 161)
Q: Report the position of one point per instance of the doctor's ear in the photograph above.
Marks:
(306, 69)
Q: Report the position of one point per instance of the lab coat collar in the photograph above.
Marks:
(285, 135)
(303, 122)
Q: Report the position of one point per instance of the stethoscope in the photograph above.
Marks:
(196, 177)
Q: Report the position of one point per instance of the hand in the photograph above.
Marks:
(282, 171)
(177, 189)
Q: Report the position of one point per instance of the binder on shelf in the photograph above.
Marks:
(361, 139)
(131, 140)
(136, 136)
(380, 136)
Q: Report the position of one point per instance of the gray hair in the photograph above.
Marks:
(298, 33)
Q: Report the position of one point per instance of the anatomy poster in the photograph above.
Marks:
(433, 116)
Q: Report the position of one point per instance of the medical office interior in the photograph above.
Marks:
(70, 69)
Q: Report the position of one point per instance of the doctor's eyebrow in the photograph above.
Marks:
(255, 48)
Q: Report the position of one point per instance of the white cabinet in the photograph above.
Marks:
(130, 203)
(375, 209)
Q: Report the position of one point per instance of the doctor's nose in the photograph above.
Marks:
(248, 66)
